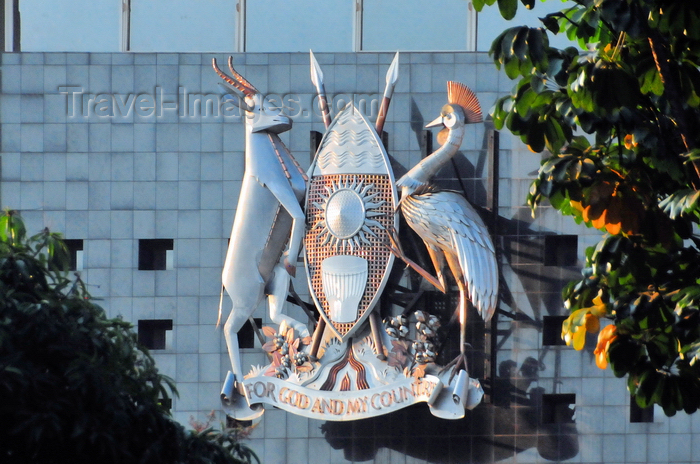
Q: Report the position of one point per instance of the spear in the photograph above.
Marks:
(392, 75)
(317, 79)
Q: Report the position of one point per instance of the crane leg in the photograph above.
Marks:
(395, 248)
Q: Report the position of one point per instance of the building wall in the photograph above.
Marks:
(96, 171)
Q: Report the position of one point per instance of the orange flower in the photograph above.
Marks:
(605, 338)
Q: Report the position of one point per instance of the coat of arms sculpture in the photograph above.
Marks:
(343, 212)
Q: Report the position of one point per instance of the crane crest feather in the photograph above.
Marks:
(460, 94)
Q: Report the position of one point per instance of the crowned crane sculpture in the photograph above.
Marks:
(450, 227)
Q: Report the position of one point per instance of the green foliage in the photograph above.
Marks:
(633, 87)
(75, 386)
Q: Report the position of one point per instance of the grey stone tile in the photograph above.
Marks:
(76, 195)
(99, 137)
(100, 58)
(32, 166)
(11, 79)
(167, 137)
(188, 224)
(144, 284)
(10, 108)
(209, 368)
(123, 80)
(76, 221)
(100, 79)
(11, 137)
(11, 58)
(98, 253)
(54, 166)
(54, 77)
(188, 282)
(167, 78)
(187, 310)
(210, 281)
(211, 253)
(99, 167)
(32, 79)
(190, 59)
(187, 368)
(187, 253)
(421, 78)
(54, 195)
(99, 196)
(212, 137)
(122, 59)
(145, 79)
(11, 167)
(368, 79)
(145, 166)
(77, 137)
(166, 307)
(98, 227)
(417, 57)
(123, 137)
(77, 58)
(166, 195)
(166, 224)
(167, 166)
(55, 137)
(144, 58)
(166, 283)
(144, 137)
(189, 137)
(122, 196)
(208, 339)
(167, 58)
(144, 224)
(122, 226)
(77, 166)
(144, 195)
(211, 223)
(190, 78)
(211, 195)
(32, 138)
(189, 166)
(278, 58)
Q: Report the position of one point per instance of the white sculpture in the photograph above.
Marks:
(450, 227)
(268, 217)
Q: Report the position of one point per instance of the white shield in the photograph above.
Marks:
(350, 206)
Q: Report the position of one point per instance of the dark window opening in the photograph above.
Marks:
(551, 330)
(315, 138)
(639, 414)
(152, 333)
(246, 336)
(155, 254)
(75, 254)
(166, 403)
(558, 408)
(560, 250)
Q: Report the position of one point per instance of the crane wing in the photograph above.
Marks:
(446, 220)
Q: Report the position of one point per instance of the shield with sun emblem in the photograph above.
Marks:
(350, 207)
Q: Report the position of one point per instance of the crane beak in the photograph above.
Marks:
(436, 122)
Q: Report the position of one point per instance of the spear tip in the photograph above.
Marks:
(392, 75)
(316, 73)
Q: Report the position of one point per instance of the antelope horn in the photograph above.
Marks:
(248, 92)
(238, 77)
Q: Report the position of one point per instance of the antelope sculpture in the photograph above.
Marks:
(268, 217)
